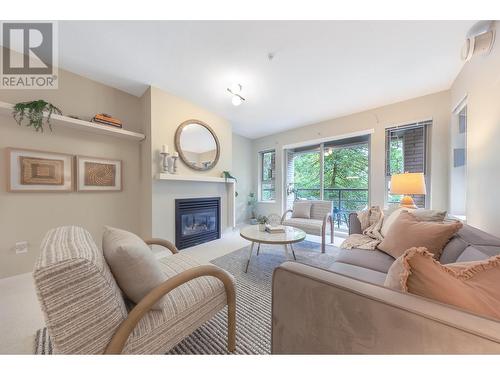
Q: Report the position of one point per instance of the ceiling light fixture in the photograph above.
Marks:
(235, 90)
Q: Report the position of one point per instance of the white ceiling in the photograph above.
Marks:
(321, 69)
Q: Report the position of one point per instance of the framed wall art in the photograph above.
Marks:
(38, 171)
(96, 174)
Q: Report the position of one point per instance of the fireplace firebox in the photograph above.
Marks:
(197, 220)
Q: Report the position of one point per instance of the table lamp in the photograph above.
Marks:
(408, 183)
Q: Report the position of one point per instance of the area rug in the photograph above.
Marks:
(253, 302)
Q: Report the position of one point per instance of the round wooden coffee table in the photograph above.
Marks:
(253, 234)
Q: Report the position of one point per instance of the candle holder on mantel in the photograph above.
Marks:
(164, 162)
(174, 158)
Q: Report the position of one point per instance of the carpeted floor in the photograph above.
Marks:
(253, 302)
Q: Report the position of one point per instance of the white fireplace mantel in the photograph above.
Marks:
(193, 178)
(230, 183)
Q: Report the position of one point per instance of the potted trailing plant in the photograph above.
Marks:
(34, 112)
(252, 203)
(227, 174)
(262, 220)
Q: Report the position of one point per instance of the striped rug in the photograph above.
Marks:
(253, 303)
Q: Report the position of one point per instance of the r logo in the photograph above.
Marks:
(34, 41)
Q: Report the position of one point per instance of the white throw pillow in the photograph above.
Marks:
(302, 209)
(423, 214)
(132, 263)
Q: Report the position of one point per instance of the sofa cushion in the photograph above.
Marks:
(133, 264)
(453, 249)
(471, 254)
(309, 226)
(302, 209)
(471, 286)
(470, 236)
(371, 259)
(360, 273)
(407, 231)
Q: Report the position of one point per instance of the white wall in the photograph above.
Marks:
(167, 112)
(28, 216)
(242, 170)
(434, 106)
(480, 81)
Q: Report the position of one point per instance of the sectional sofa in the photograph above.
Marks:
(347, 310)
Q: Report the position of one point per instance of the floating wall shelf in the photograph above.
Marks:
(81, 125)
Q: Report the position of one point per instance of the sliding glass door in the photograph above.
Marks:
(307, 174)
(346, 178)
(337, 171)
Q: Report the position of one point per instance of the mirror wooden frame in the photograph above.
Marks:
(183, 157)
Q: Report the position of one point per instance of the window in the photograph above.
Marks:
(406, 151)
(268, 176)
(458, 176)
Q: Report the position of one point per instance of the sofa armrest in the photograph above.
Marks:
(354, 224)
(316, 311)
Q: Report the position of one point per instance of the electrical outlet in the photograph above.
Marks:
(21, 247)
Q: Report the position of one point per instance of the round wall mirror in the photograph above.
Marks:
(197, 145)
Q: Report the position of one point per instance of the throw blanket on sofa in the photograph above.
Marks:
(371, 222)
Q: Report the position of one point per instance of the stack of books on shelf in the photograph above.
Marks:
(105, 119)
(275, 228)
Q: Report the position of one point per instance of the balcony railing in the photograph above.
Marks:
(344, 200)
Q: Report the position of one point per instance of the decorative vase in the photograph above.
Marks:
(253, 221)
(262, 227)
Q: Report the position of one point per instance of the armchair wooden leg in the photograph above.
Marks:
(323, 240)
(331, 231)
(231, 320)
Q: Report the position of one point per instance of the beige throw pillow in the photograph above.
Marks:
(301, 209)
(407, 231)
(132, 263)
(390, 219)
(472, 286)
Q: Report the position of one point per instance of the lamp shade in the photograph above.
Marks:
(408, 183)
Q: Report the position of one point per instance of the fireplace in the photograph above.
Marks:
(197, 220)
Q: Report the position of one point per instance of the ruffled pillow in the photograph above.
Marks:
(472, 286)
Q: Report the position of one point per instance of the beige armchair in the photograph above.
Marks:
(86, 313)
(319, 224)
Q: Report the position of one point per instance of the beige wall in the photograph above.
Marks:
(167, 113)
(480, 81)
(242, 170)
(435, 106)
(28, 216)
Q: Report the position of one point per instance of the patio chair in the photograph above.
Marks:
(319, 223)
